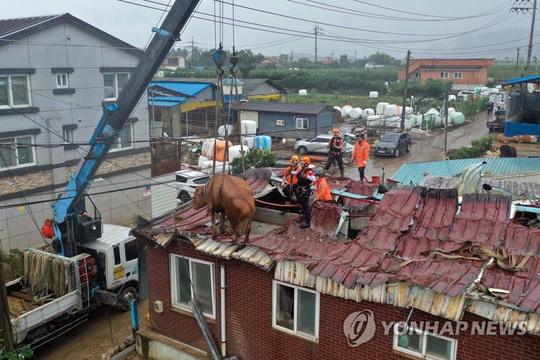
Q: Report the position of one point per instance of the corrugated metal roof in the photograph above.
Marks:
(164, 103)
(534, 78)
(186, 88)
(11, 26)
(414, 172)
(13, 29)
(279, 107)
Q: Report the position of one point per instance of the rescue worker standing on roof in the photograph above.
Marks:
(305, 178)
(361, 154)
(335, 146)
(323, 190)
(289, 180)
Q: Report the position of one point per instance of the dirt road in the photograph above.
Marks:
(426, 147)
(105, 329)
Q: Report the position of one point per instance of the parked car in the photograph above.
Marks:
(318, 144)
(393, 144)
(462, 95)
(187, 181)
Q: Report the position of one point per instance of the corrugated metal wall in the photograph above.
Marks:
(164, 194)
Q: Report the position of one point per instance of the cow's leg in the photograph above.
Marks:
(248, 228)
(222, 222)
(213, 218)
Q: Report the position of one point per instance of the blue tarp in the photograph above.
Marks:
(526, 79)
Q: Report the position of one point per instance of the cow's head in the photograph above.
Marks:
(199, 198)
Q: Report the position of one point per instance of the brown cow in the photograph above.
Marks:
(228, 195)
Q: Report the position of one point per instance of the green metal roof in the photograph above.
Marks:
(414, 172)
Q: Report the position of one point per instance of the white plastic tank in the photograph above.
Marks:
(373, 94)
(451, 110)
(207, 147)
(249, 127)
(263, 142)
(235, 152)
(367, 112)
(457, 118)
(223, 129)
(248, 141)
(390, 110)
(302, 92)
(355, 113)
(379, 110)
(202, 160)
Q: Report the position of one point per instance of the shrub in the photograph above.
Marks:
(477, 149)
(254, 159)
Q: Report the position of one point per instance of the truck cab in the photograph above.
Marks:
(116, 255)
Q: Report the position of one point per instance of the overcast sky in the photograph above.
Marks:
(430, 28)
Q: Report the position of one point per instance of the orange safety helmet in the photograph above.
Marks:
(306, 160)
(335, 131)
(295, 159)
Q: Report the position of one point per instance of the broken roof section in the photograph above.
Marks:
(420, 237)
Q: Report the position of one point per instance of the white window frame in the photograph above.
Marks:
(174, 281)
(118, 145)
(9, 86)
(280, 122)
(314, 337)
(458, 75)
(301, 121)
(67, 135)
(116, 92)
(418, 75)
(444, 75)
(17, 165)
(423, 344)
(62, 80)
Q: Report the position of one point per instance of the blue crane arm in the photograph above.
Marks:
(115, 116)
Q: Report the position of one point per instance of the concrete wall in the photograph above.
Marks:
(250, 334)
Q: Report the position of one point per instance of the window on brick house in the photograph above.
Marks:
(458, 75)
(193, 278)
(444, 75)
(295, 310)
(423, 344)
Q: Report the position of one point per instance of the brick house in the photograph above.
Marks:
(463, 72)
(56, 74)
(308, 295)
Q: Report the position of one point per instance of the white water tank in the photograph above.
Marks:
(379, 110)
(373, 94)
(224, 129)
(248, 141)
(302, 92)
(355, 113)
(249, 127)
(367, 112)
(236, 152)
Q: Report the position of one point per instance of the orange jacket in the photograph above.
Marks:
(323, 190)
(361, 153)
(289, 178)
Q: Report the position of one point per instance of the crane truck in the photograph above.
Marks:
(89, 263)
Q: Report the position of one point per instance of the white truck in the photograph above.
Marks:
(57, 293)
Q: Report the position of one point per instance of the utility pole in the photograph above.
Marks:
(316, 30)
(526, 9)
(529, 50)
(405, 91)
(292, 55)
(517, 62)
(446, 105)
(5, 323)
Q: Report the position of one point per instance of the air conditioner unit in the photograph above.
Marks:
(158, 306)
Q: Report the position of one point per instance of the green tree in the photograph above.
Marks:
(381, 58)
(254, 159)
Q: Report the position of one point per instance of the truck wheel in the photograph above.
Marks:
(129, 290)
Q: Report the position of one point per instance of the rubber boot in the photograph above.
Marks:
(342, 172)
(306, 225)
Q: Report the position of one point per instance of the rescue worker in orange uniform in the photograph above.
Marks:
(335, 146)
(323, 190)
(305, 178)
(361, 154)
(290, 181)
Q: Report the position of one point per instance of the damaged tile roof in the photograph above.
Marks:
(417, 236)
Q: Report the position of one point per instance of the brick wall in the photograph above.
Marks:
(249, 320)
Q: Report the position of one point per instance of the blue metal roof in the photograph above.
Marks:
(164, 103)
(415, 171)
(188, 88)
(533, 78)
